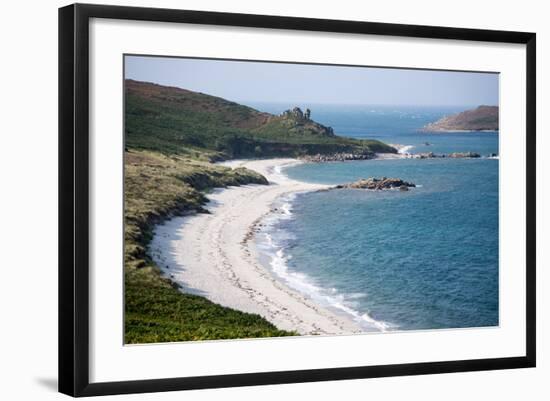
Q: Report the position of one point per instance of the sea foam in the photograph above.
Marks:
(404, 150)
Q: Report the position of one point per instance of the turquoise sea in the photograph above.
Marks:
(392, 260)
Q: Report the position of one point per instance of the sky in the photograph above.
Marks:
(251, 82)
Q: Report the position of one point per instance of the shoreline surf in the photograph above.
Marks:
(275, 257)
(214, 255)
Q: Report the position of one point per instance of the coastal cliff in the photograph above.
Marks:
(482, 118)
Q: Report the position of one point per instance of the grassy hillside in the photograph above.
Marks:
(158, 186)
(171, 137)
(177, 121)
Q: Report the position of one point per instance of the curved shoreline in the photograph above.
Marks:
(213, 255)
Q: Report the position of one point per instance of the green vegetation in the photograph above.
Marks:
(157, 312)
(178, 121)
(172, 136)
(158, 186)
(306, 139)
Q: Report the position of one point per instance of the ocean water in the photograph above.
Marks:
(392, 260)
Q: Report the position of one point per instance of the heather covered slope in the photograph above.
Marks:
(482, 118)
(177, 121)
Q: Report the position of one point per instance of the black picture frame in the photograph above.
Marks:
(74, 198)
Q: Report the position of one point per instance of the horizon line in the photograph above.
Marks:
(296, 102)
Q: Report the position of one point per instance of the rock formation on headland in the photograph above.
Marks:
(301, 119)
(377, 184)
(297, 114)
(483, 118)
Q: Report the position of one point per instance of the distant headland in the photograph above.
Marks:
(482, 118)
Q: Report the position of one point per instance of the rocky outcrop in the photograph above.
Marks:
(368, 155)
(338, 157)
(297, 114)
(424, 155)
(378, 184)
(302, 120)
(461, 155)
(454, 155)
(482, 118)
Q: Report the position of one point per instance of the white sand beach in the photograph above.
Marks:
(213, 255)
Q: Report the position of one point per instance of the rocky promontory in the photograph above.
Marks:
(377, 184)
(482, 118)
